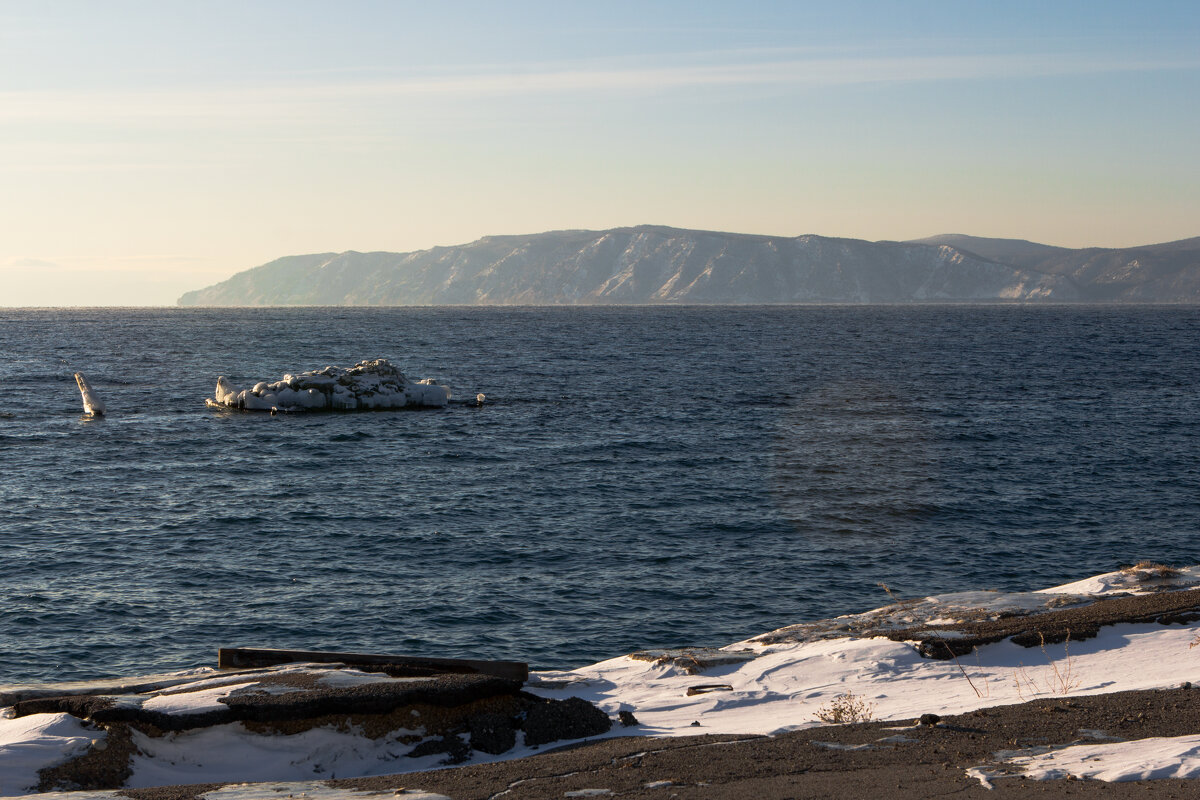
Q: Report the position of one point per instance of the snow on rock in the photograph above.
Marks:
(959, 607)
(1138, 579)
(11, 693)
(343, 678)
(942, 609)
(32, 743)
(186, 703)
(368, 385)
(236, 681)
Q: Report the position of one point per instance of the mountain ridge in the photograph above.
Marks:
(651, 264)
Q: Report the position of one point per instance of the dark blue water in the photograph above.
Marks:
(642, 477)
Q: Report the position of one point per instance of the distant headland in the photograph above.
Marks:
(658, 265)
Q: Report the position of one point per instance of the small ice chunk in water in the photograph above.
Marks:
(226, 395)
(91, 403)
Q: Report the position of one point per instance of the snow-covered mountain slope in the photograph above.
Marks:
(1154, 273)
(645, 264)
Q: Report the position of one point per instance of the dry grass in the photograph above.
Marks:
(983, 678)
(845, 709)
(896, 600)
(1058, 677)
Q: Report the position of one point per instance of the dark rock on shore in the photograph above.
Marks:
(456, 750)
(303, 703)
(493, 733)
(572, 718)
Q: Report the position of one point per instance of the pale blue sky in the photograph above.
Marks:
(147, 148)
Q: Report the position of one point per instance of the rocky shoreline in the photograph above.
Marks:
(442, 717)
(895, 759)
(978, 752)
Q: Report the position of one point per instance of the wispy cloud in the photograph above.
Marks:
(290, 98)
(126, 263)
(826, 71)
(28, 264)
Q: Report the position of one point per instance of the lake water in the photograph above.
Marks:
(639, 477)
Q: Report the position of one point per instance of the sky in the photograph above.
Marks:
(150, 147)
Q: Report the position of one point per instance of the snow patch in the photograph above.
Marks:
(310, 790)
(347, 678)
(233, 754)
(1138, 760)
(32, 743)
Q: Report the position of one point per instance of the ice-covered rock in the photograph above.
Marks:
(375, 384)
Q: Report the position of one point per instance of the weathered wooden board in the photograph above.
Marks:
(243, 657)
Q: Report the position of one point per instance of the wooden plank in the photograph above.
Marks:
(243, 657)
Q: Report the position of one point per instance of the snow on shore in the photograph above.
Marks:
(28, 744)
(373, 384)
(777, 687)
(755, 686)
(788, 685)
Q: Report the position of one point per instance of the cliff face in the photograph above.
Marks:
(664, 265)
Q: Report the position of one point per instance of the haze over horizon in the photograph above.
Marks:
(152, 148)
